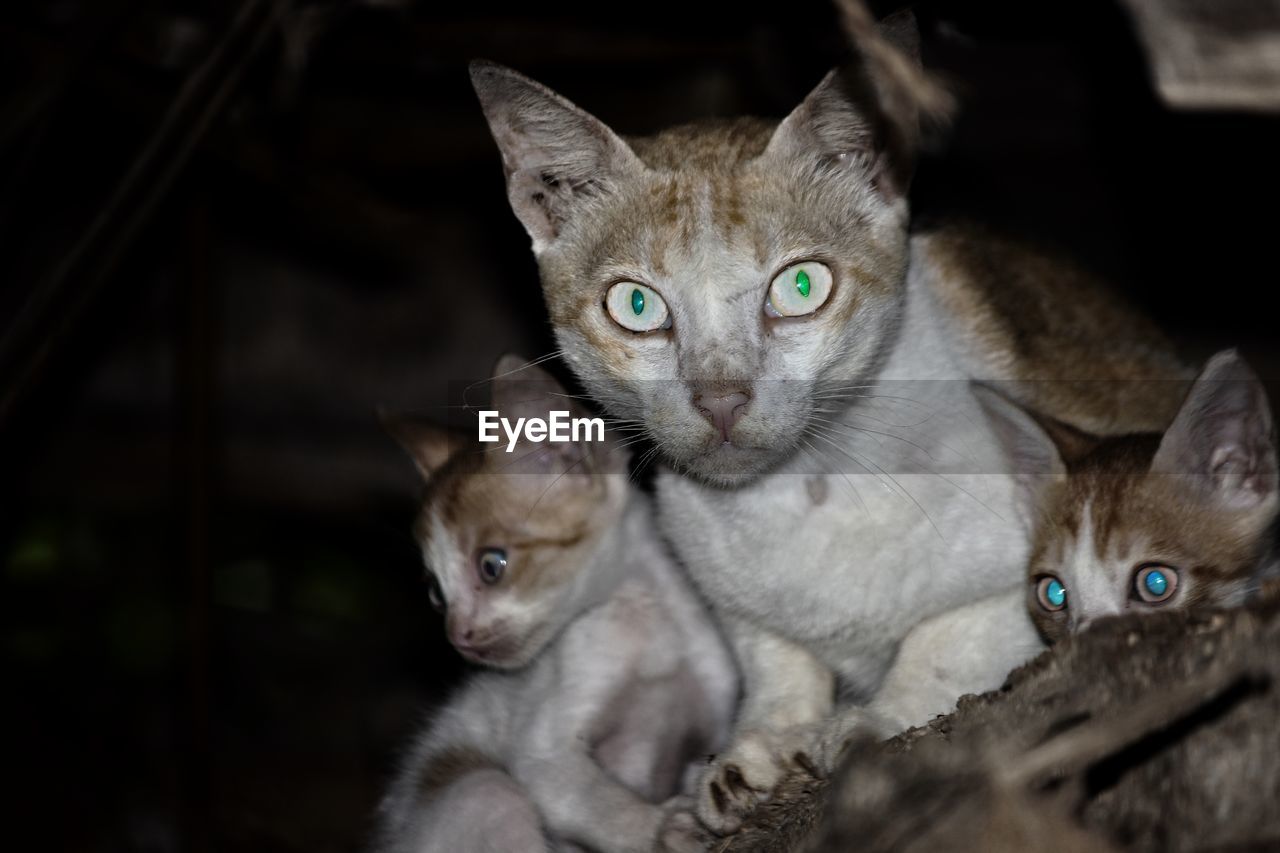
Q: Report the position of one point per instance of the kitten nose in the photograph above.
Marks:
(723, 408)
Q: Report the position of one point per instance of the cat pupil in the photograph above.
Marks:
(802, 283)
(637, 301)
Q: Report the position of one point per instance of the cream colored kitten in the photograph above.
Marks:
(614, 682)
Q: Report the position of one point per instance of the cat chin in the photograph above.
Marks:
(510, 652)
(729, 466)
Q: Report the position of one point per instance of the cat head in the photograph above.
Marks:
(1143, 522)
(712, 281)
(508, 537)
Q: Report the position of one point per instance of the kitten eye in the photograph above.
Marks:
(1051, 594)
(636, 307)
(1155, 584)
(798, 290)
(492, 564)
(435, 594)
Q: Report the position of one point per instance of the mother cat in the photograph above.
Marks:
(748, 293)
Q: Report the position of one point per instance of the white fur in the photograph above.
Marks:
(834, 589)
(582, 732)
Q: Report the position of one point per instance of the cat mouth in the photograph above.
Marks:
(491, 652)
(729, 462)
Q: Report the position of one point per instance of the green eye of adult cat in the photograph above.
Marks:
(798, 290)
(637, 307)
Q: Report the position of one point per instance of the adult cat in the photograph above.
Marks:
(747, 292)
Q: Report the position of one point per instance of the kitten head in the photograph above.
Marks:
(508, 538)
(1142, 522)
(712, 281)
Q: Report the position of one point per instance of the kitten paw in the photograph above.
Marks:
(681, 833)
(745, 776)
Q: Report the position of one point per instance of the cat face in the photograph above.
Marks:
(711, 282)
(1145, 522)
(507, 538)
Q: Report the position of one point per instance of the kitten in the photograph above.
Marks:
(1121, 524)
(748, 292)
(1149, 521)
(606, 677)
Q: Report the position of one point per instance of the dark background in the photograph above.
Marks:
(214, 633)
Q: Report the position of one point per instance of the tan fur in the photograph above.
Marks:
(1073, 349)
(1142, 516)
(545, 530)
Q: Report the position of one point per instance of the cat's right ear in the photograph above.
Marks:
(554, 154)
(428, 445)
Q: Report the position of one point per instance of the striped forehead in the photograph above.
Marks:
(692, 211)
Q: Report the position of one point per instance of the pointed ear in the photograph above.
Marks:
(429, 445)
(1223, 436)
(521, 390)
(555, 156)
(837, 126)
(1037, 448)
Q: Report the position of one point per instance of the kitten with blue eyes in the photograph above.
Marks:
(1120, 524)
(1142, 522)
(605, 682)
(749, 293)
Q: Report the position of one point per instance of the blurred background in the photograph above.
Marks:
(230, 231)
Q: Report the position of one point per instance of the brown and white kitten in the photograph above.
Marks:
(1147, 521)
(1121, 524)
(605, 682)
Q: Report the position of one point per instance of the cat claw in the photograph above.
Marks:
(745, 776)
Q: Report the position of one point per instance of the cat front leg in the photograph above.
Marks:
(787, 692)
(969, 649)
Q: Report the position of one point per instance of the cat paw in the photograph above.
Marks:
(681, 833)
(744, 777)
(830, 741)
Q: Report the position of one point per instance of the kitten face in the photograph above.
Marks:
(1143, 522)
(721, 359)
(1118, 538)
(508, 539)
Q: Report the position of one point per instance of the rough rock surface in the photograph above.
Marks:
(1152, 733)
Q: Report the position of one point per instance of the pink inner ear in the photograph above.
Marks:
(1233, 471)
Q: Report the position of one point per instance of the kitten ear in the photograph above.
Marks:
(554, 154)
(1223, 437)
(1037, 448)
(523, 390)
(428, 444)
(519, 389)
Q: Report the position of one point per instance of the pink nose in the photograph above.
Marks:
(723, 408)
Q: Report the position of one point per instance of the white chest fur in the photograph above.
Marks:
(898, 511)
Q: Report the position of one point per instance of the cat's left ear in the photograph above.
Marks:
(1038, 448)
(854, 122)
(555, 155)
(1223, 437)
